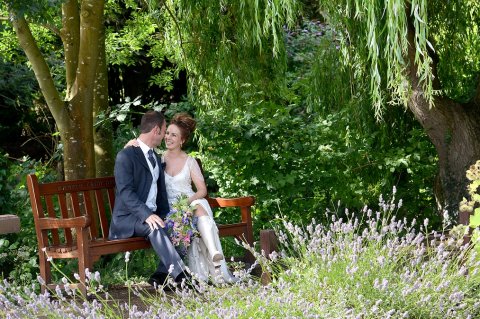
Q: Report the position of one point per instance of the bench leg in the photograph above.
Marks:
(249, 258)
(81, 273)
(248, 238)
(268, 244)
(83, 260)
(45, 270)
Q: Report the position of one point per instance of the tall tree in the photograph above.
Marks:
(202, 37)
(424, 55)
(81, 31)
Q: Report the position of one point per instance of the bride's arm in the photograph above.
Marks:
(198, 181)
(132, 142)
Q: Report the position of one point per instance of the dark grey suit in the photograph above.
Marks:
(133, 180)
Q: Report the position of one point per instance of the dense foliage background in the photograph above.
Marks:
(310, 149)
(300, 137)
(320, 146)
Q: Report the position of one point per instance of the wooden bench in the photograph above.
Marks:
(72, 221)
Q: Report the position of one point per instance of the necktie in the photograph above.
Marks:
(151, 158)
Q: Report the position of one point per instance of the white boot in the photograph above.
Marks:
(207, 230)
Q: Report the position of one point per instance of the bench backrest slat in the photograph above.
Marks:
(91, 211)
(99, 197)
(64, 214)
(51, 213)
(77, 211)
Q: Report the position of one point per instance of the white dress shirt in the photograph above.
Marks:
(152, 194)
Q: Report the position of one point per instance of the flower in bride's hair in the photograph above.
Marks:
(181, 225)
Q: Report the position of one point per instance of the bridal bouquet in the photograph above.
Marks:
(180, 225)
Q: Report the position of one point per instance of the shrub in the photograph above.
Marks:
(18, 252)
(314, 140)
(373, 265)
(472, 206)
(298, 163)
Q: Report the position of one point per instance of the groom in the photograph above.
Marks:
(141, 198)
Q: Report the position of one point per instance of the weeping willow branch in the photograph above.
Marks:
(224, 45)
(377, 35)
(175, 21)
(422, 58)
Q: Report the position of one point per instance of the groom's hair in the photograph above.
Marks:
(151, 119)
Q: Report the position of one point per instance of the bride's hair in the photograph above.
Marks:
(185, 123)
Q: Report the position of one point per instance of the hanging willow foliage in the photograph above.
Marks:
(225, 45)
(376, 32)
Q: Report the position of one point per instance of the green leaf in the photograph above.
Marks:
(4, 242)
(475, 219)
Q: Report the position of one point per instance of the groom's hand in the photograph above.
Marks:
(154, 221)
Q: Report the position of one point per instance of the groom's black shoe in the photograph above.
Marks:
(183, 276)
(159, 279)
(187, 279)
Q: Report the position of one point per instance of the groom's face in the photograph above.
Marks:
(160, 133)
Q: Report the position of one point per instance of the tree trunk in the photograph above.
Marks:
(70, 34)
(454, 130)
(103, 133)
(77, 139)
(81, 33)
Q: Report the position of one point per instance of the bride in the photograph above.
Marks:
(205, 256)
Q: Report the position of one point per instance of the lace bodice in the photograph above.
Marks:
(199, 259)
(181, 183)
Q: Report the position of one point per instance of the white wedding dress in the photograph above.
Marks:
(198, 258)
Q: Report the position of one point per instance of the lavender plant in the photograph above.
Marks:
(368, 265)
(384, 270)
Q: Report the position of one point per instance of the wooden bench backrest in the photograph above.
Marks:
(66, 199)
(95, 198)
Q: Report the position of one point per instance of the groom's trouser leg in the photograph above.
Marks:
(163, 247)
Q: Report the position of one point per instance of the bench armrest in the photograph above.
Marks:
(55, 223)
(247, 201)
(245, 204)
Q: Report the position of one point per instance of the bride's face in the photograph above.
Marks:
(173, 137)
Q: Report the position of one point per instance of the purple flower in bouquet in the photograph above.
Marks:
(181, 225)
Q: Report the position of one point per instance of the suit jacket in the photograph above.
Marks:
(133, 180)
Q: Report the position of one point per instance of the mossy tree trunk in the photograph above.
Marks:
(103, 133)
(82, 35)
(453, 128)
